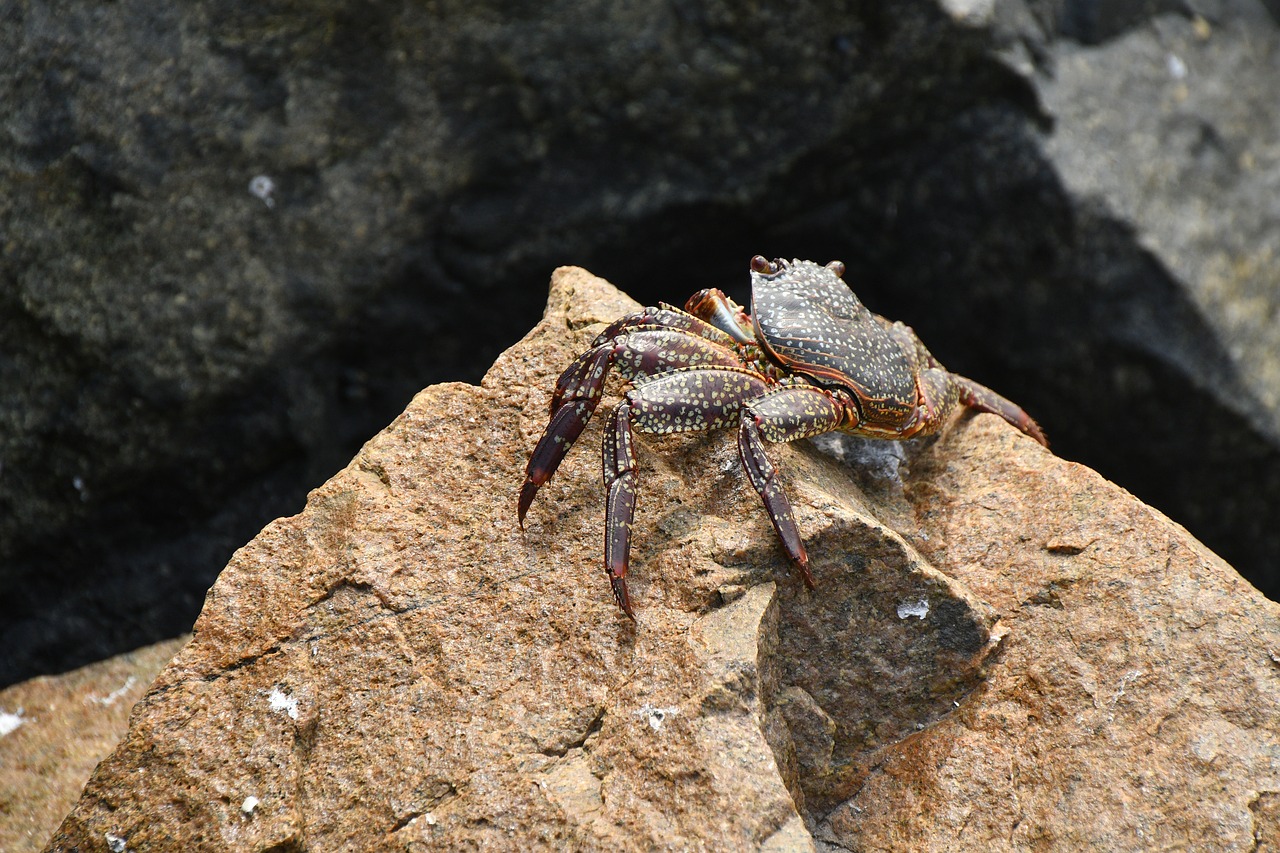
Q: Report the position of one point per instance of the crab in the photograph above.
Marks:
(809, 359)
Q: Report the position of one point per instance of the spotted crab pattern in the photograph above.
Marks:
(808, 360)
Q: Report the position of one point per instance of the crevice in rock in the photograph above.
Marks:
(358, 588)
(580, 742)
(161, 689)
(405, 821)
(246, 661)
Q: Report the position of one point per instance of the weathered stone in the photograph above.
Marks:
(53, 732)
(1133, 702)
(1003, 649)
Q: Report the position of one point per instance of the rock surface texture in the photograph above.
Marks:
(1004, 651)
(53, 732)
(238, 235)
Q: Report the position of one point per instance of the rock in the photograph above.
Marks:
(239, 237)
(1132, 702)
(1170, 127)
(55, 729)
(1002, 648)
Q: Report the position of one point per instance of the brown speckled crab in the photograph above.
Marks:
(809, 359)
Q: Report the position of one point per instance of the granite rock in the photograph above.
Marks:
(1003, 649)
(54, 729)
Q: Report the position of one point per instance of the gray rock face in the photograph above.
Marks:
(237, 238)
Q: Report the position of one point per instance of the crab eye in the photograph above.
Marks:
(837, 267)
(762, 265)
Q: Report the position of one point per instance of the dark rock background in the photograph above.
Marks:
(1073, 202)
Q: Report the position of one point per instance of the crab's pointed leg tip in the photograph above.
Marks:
(625, 604)
(527, 491)
(622, 596)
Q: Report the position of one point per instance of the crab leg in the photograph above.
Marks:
(640, 351)
(620, 503)
(938, 394)
(687, 400)
(787, 414)
(983, 399)
(662, 317)
(937, 384)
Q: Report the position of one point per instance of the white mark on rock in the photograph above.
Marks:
(281, 701)
(971, 12)
(1177, 68)
(82, 490)
(264, 188)
(1125, 680)
(250, 803)
(9, 722)
(655, 716)
(115, 843)
(919, 609)
(114, 696)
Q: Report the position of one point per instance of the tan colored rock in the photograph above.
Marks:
(55, 729)
(1135, 701)
(1003, 651)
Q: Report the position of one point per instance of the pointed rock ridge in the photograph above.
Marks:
(399, 666)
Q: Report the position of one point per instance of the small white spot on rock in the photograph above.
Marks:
(919, 609)
(114, 696)
(250, 803)
(264, 188)
(655, 717)
(9, 722)
(115, 843)
(1177, 68)
(281, 701)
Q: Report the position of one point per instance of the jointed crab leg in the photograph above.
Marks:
(620, 502)
(787, 414)
(661, 317)
(943, 389)
(641, 350)
(983, 399)
(686, 400)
